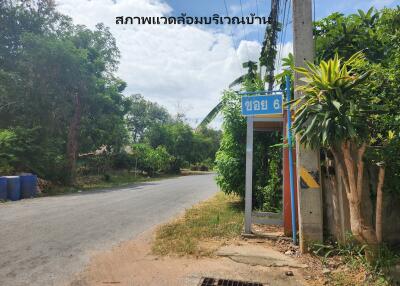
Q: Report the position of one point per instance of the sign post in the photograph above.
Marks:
(249, 176)
(252, 106)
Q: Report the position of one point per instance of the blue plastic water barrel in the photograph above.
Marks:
(28, 185)
(13, 188)
(3, 188)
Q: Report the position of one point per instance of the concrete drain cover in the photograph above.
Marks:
(207, 281)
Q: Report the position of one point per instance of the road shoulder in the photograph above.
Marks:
(133, 263)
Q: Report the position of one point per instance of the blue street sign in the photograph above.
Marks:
(262, 104)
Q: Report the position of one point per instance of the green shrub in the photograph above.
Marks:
(29, 150)
(7, 139)
(230, 161)
(123, 161)
(154, 160)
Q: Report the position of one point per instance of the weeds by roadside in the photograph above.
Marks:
(219, 217)
(352, 255)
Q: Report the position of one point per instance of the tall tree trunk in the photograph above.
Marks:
(350, 161)
(72, 142)
(379, 201)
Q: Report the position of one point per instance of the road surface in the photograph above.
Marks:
(45, 241)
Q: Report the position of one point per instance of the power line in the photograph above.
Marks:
(258, 25)
(287, 21)
(284, 29)
(244, 30)
(277, 62)
(235, 46)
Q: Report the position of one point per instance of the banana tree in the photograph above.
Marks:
(288, 70)
(250, 75)
(331, 113)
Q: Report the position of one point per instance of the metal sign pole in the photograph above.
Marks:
(251, 106)
(249, 175)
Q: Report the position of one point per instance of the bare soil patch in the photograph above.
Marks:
(132, 263)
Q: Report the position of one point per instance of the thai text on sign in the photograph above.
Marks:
(262, 104)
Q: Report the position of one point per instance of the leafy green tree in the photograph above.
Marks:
(152, 160)
(158, 135)
(377, 33)
(57, 80)
(7, 156)
(334, 112)
(143, 115)
(205, 145)
(347, 35)
(230, 159)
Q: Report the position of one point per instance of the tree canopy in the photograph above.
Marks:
(61, 101)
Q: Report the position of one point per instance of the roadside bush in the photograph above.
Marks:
(7, 138)
(209, 163)
(160, 159)
(271, 194)
(230, 161)
(175, 166)
(199, 167)
(204, 166)
(230, 158)
(153, 160)
(95, 164)
(123, 161)
(28, 150)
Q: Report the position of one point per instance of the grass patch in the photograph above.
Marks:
(216, 219)
(352, 254)
(117, 179)
(94, 182)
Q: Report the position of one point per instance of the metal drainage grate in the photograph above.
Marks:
(207, 281)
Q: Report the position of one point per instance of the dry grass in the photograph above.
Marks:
(219, 218)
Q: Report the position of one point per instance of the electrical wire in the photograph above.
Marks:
(285, 29)
(277, 62)
(244, 31)
(235, 46)
(258, 24)
(288, 22)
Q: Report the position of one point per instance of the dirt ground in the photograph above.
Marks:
(132, 263)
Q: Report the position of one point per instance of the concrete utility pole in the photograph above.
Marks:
(249, 175)
(308, 165)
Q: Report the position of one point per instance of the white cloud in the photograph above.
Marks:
(284, 49)
(249, 50)
(169, 64)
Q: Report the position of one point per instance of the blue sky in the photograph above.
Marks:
(186, 68)
(322, 9)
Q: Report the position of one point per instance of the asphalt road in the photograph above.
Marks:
(44, 241)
